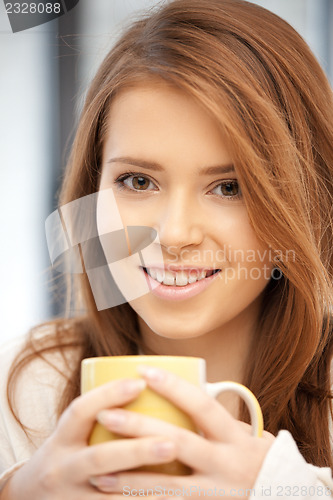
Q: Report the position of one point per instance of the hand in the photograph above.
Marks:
(226, 456)
(61, 468)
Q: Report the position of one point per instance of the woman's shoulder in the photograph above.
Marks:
(34, 370)
(42, 351)
(40, 367)
(9, 350)
(39, 379)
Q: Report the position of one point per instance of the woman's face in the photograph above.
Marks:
(170, 169)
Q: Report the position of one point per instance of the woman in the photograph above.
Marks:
(210, 121)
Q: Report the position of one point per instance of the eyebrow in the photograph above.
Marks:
(151, 165)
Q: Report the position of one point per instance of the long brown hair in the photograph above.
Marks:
(261, 82)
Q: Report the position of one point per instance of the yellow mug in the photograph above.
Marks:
(99, 370)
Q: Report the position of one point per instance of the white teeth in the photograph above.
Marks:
(202, 275)
(192, 277)
(169, 278)
(153, 274)
(181, 278)
(159, 275)
(178, 278)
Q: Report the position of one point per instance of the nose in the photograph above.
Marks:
(180, 223)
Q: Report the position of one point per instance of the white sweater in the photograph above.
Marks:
(284, 472)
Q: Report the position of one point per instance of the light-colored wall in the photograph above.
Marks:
(26, 94)
(314, 22)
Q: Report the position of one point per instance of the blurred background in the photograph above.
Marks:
(45, 72)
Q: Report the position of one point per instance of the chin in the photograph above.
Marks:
(176, 334)
(178, 327)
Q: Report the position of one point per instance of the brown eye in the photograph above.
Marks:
(230, 188)
(136, 183)
(140, 183)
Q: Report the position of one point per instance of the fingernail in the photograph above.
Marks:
(152, 373)
(109, 418)
(164, 449)
(133, 386)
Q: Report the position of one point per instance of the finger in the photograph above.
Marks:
(195, 451)
(129, 483)
(118, 455)
(209, 415)
(76, 422)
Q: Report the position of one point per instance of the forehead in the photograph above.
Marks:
(157, 119)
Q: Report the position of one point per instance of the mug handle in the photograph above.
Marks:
(257, 422)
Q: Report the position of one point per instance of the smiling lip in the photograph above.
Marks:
(174, 292)
(174, 267)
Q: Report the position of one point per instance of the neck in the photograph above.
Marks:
(225, 353)
(225, 350)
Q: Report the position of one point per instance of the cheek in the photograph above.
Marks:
(235, 231)
(134, 213)
(242, 250)
(108, 214)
